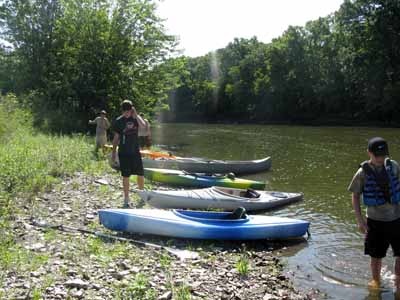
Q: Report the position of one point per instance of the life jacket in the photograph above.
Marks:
(380, 187)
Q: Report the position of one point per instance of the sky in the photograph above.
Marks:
(206, 25)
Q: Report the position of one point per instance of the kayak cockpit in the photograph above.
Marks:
(212, 217)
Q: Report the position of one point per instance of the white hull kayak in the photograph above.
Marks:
(218, 198)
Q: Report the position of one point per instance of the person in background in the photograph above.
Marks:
(126, 129)
(145, 134)
(377, 183)
(102, 125)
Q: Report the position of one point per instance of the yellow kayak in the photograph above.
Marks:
(149, 153)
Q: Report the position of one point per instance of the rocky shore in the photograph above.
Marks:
(48, 263)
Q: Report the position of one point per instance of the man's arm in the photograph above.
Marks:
(148, 129)
(107, 123)
(141, 122)
(362, 225)
(115, 144)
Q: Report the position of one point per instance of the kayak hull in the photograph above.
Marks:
(199, 165)
(152, 159)
(180, 178)
(217, 198)
(201, 225)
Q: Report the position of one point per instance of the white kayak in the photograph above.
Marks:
(218, 198)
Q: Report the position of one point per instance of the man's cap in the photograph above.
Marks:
(126, 105)
(103, 112)
(378, 146)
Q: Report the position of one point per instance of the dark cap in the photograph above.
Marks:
(378, 146)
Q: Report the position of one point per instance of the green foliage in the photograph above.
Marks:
(15, 257)
(139, 289)
(182, 292)
(345, 66)
(76, 57)
(243, 265)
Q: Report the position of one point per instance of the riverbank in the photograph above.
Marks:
(51, 264)
(321, 122)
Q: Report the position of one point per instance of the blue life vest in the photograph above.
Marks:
(380, 187)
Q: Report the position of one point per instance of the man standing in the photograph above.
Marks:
(102, 125)
(377, 184)
(126, 129)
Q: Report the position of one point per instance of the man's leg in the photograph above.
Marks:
(376, 266)
(397, 275)
(140, 182)
(125, 184)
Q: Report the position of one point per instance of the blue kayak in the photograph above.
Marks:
(201, 225)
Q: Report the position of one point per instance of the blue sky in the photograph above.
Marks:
(206, 25)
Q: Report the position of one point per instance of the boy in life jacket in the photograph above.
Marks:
(376, 183)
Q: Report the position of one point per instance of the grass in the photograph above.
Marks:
(31, 162)
(20, 259)
(138, 289)
(165, 260)
(182, 292)
(243, 265)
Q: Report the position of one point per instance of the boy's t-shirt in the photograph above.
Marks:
(127, 128)
(386, 212)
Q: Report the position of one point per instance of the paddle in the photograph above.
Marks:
(181, 254)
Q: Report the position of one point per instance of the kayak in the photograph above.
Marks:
(181, 178)
(218, 198)
(148, 153)
(156, 154)
(163, 160)
(202, 165)
(202, 225)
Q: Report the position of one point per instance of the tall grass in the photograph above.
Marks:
(31, 162)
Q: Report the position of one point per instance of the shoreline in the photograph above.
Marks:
(50, 264)
(318, 123)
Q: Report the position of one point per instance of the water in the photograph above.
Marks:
(318, 161)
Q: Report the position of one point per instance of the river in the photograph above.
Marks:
(318, 161)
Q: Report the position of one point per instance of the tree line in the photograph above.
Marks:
(339, 68)
(69, 59)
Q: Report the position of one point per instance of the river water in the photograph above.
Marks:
(318, 161)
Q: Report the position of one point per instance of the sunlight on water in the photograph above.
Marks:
(320, 162)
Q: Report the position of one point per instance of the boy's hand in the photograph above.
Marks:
(134, 113)
(362, 226)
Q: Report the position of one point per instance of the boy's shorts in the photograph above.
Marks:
(380, 235)
(131, 164)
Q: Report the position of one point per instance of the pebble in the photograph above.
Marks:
(77, 283)
(165, 296)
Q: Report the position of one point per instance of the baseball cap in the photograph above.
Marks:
(378, 146)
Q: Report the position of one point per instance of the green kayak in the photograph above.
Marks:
(182, 178)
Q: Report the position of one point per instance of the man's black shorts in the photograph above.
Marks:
(380, 235)
(130, 164)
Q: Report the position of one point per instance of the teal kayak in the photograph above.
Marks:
(182, 178)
